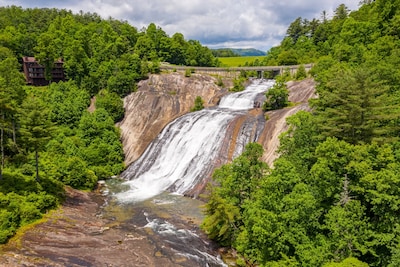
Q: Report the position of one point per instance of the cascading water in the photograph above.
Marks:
(182, 155)
(183, 152)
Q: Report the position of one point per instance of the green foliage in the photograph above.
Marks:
(103, 149)
(288, 57)
(98, 54)
(112, 103)
(332, 198)
(238, 84)
(301, 73)
(67, 103)
(198, 104)
(337, 202)
(75, 173)
(355, 105)
(348, 262)
(127, 71)
(36, 127)
(220, 83)
(23, 200)
(325, 203)
(238, 181)
(300, 140)
(277, 96)
(11, 97)
(198, 55)
(224, 52)
(48, 139)
(188, 72)
(221, 222)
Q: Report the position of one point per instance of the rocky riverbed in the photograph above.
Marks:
(84, 232)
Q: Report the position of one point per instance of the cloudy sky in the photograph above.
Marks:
(258, 24)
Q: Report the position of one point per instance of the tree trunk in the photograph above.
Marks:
(2, 147)
(14, 135)
(37, 165)
(2, 152)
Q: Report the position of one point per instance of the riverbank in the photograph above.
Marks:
(77, 234)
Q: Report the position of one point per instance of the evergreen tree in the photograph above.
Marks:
(353, 106)
(36, 127)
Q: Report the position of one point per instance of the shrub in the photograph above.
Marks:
(188, 72)
(301, 73)
(112, 103)
(198, 104)
(7, 228)
(277, 97)
(238, 85)
(220, 83)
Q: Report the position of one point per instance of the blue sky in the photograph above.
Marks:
(258, 24)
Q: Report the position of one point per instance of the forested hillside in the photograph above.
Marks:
(48, 138)
(236, 52)
(333, 197)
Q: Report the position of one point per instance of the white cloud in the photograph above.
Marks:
(223, 23)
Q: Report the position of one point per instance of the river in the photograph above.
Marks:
(152, 196)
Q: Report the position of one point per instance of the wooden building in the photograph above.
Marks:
(35, 73)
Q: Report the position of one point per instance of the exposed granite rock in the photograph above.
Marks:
(163, 98)
(158, 101)
(77, 234)
(299, 92)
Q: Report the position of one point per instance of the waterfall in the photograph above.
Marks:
(185, 150)
(245, 100)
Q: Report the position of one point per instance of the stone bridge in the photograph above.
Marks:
(233, 72)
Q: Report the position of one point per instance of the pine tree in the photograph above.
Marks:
(352, 107)
(36, 127)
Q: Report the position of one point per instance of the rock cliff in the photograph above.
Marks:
(163, 98)
(159, 100)
(299, 93)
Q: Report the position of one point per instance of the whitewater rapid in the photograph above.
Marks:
(184, 151)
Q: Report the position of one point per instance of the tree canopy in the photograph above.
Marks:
(48, 137)
(332, 197)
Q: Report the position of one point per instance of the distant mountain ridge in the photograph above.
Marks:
(248, 52)
(231, 52)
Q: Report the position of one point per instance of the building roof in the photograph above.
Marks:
(32, 59)
(29, 59)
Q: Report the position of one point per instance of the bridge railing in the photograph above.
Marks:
(216, 70)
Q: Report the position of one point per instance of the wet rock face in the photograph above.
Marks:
(158, 101)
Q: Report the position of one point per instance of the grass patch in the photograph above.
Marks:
(293, 104)
(237, 61)
(16, 239)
